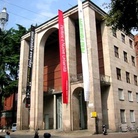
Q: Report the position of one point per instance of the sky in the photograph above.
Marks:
(32, 12)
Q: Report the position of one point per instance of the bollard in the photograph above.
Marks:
(104, 130)
(47, 135)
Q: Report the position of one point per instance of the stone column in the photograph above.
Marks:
(22, 112)
(54, 111)
(95, 92)
(36, 110)
(71, 63)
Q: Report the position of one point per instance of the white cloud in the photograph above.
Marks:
(43, 8)
(38, 11)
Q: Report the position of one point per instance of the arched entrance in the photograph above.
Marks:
(52, 83)
(79, 109)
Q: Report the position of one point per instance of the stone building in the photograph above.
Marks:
(112, 68)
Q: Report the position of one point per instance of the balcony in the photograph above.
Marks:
(76, 78)
(105, 80)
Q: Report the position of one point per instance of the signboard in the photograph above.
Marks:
(83, 45)
(63, 60)
(30, 64)
(93, 114)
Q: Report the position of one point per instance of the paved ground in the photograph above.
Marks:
(72, 134)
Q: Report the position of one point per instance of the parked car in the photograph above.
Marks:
(14, 127)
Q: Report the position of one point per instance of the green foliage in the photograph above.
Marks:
(9, 59)
(123, 15)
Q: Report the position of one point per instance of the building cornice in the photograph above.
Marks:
(67, 13)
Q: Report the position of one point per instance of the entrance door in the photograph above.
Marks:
(47, 121)
(83, 111)
(59, 112)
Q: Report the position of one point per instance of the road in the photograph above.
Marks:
(73, 135)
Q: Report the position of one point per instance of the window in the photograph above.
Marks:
(123, 38)
(135, 79)
(122, 116)
(125, 56)
(133, 60)
(116, 51)
(118, 72)
(130, 43)
(114, 33)
(137, 97)
(121, 94)
(132, 116)
(127, 77)
(130, 96)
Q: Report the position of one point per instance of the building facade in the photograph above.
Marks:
(112, 68)
(8, 112)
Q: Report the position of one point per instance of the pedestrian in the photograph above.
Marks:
(104, 130)
(7, 134)
(36, 134)
(47, 135)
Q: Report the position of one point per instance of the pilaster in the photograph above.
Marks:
(36, 110)
(95, 92)
(71, 60)
(22, 116)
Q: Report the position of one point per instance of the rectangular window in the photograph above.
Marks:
(135, 79)
(137, 97)
(114, 33)
(132, 116)
(130, 43)
(133, 60)
(121, 94)
(116, 51)
(118, 73)
(123, 38)
(130, 96)
(127, 77)
(122, 116)
(125, 56)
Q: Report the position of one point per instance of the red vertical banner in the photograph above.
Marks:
(63, 60)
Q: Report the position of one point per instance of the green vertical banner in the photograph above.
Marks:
(84, 55)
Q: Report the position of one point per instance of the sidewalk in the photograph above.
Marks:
(71, 134)
(55, 132)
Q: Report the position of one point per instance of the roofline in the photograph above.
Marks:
(65, 13)
(93, 5)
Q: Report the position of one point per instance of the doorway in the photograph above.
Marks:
(59, 112)
(83, 111)
(79, 109)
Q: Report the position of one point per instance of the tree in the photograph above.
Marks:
(9, 59)
(123, 15)
(9, 63)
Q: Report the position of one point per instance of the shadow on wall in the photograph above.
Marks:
(104, 95)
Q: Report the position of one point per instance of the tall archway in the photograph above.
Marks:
(79, 109)
(52, 83)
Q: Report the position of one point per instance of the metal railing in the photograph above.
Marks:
(75, 78)
(104, 79)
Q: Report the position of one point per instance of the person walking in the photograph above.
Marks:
(36, 134)
(7, 134)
